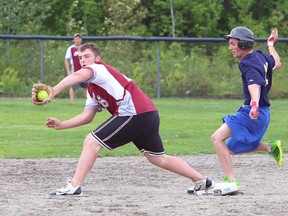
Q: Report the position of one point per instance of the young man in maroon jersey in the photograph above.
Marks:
(72, 64)
(134, 119)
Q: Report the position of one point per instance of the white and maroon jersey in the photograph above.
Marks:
(72, 55)
(110, 89)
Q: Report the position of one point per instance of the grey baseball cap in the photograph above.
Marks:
(77, 35)
(241, 33)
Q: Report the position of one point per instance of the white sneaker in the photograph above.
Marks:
(220, 189)
(67, 190)
(203, 184)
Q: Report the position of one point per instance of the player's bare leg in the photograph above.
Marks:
(274, 149)
(263, 147)
(72, 95)
(275, 152)
(85, 91)
(88, 156)
(222, 151)
(178, 166)
(175, 165)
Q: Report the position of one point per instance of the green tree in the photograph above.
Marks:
(197, 18)
(158, 20)
(67, 17)
(85, 16)
(260, 16)
(124, 17)
(192, 18)
(23, 17)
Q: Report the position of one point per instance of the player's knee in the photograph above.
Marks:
(214, 140)
(90, 142)
(156, 160)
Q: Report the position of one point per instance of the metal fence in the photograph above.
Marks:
(154, 40)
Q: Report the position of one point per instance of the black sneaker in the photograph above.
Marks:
(203, 184)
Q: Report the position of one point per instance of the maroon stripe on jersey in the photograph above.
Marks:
(141, 101)
(116, 74)
(76, 62)
(95, 91)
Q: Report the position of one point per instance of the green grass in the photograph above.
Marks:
(186, 127)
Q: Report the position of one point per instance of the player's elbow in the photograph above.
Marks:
(86, 120)
(278, 65)
(89, 120)
(88, 115)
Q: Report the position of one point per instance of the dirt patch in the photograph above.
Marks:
(132, 186)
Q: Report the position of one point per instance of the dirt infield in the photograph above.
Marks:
(132, 186)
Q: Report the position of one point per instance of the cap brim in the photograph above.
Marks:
(227, 37)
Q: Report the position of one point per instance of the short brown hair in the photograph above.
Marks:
(92, 46)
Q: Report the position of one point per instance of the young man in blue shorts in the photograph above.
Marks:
(245, 129)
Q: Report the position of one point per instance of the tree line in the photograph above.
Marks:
(197, 18)
(187, 69)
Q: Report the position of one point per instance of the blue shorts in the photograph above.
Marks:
(246, 133)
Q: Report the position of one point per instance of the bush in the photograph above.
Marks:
(10, 81)
(1, 87)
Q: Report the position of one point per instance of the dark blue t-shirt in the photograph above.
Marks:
(256, 68)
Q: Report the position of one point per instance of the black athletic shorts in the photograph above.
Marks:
(142, 130)
(78, 85)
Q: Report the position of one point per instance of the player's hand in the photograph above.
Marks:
(53, 123)
(254, 112)
(273, 37)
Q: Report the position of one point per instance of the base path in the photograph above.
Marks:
(133, 186)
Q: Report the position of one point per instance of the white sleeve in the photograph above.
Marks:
(68, 53)
(69, 56)
(100, 73)
(92, 104)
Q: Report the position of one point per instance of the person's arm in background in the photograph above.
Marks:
(67, 66)
(67, 63)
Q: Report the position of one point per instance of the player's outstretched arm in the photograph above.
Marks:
(84, 118)
(270, 44)
(80, 76)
